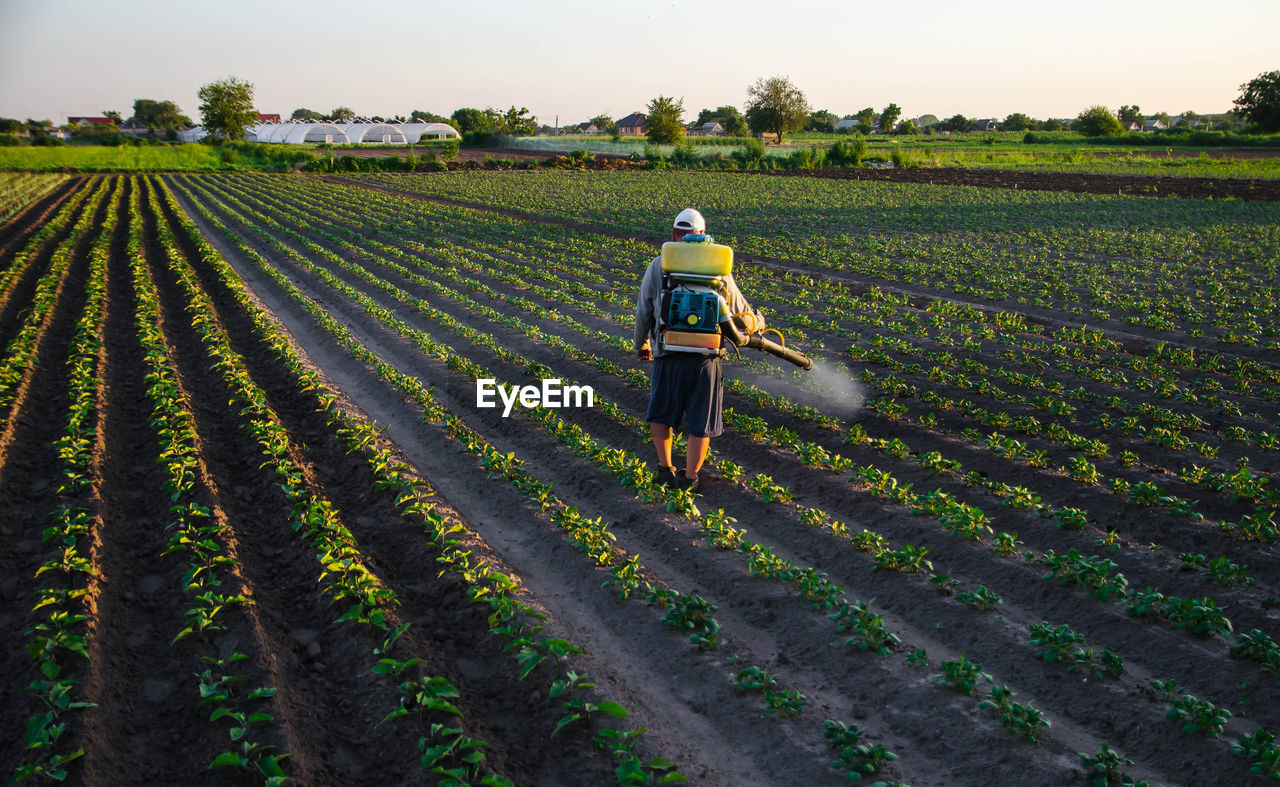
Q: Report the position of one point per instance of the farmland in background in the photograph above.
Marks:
(239, 438)
(981, 151)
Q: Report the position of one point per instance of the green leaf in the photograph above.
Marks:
(613, 709)
(395, 714)
(566, 721)
(434, 754)
(228, 758)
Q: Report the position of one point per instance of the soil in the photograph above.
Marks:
(145, 726)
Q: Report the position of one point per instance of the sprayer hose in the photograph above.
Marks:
(781, 341)
(751, 329)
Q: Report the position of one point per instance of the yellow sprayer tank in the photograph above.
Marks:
(702, 259)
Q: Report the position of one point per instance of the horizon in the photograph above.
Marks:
(403, 57)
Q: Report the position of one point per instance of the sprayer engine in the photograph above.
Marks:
(695, 317)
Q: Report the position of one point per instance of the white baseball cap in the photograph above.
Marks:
(690, 220)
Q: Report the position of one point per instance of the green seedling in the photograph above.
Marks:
(1197, 715)
(961, 674)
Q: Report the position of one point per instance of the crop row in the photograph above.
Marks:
(510, 618)
(18, 190)
(1003, 493)
(629, 470)
(316, 250)
(21, 351)
(1174, 265)
(1002, 490)
(68, 574)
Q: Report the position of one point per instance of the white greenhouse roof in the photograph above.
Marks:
(413, 132)
(376, 133)
(348, 133)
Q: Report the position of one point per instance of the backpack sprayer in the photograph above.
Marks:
(695, 315)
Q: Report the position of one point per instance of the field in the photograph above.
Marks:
(1004, 151)
(145, 158)
(257, 529)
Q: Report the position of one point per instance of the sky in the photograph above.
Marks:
(573, 59)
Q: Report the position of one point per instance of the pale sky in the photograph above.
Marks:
(579, 58)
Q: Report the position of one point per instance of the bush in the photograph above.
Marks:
(749, 155)
(803, 158)
(1097, 121)
(12, 141)
(848, 153)
(485, 139)
(44, 140)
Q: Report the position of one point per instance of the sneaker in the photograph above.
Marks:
(684, 482)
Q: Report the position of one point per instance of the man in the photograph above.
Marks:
(685, 385)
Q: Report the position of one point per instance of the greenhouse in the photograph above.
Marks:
(350, 133)
(416, 132)
(299, 133)
(374, 133)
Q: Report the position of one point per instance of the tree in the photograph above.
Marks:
(1259, 101)
(665, 122)
(822, 121)
(866, 117)
(1130, 114)
(889, 117)
(1097, 121)
(11, 126)
(925, 121)
(906, 127)
(1053, 124)
(419, 116)
(1016, 121)
(514, 121)
(227, 107)
(1164, 118)
(727, 116)
(956, 123)
(775, 105)
(471, 119)
(303, 113)
(114, 115)
(605, 124)
(160, 114)
(342, 115)
(1187, 118)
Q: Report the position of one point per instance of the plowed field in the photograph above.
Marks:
(255, 527)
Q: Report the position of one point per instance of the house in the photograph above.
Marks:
(134, 128)
(1154, 124)
(632, 125)
(586, 128)
(90, 121)
(984, 124)
(1132, 125)
(712, 129)
(848, 125)
(268, 118)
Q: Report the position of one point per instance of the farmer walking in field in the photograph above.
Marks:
(686, 380)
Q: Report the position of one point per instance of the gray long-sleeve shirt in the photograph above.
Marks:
(649, 307)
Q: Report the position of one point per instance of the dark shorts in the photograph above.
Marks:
(687, 386)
